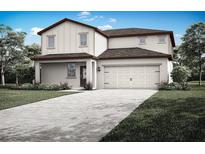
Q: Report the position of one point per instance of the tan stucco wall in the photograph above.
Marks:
(151, 43)
(67, 39)
(162, 62)
(56, 73)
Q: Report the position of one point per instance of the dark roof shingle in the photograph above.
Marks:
(123, 53)
(63, 56)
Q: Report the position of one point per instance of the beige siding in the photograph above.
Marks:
(170, 48)
(56, 73)
(67, 39)
(151, 43)
(100, 44)
(161, 62)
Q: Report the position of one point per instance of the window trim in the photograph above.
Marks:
(159, 37)
(69, 76)
(142, 37)
(54, 36)
(83, 33)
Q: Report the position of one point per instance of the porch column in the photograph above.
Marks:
(37, 72)
(89, 71)
(94, 74)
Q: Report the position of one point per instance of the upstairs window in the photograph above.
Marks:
(161, 40)
(51, 41)
(83, 39)
(71, 70)
(142, 40)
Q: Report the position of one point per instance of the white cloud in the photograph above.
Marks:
(84, 14)
(105, 27)
(93, 18)
(35, 30)
(112, 20)
(18, 30)
(178, 35)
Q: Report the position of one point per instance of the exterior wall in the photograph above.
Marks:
(67, 39)
(162, 62)
(170, 48)
(100, 44)
(56, 73)
(151, 43)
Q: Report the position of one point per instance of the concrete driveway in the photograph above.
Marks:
(86, 116)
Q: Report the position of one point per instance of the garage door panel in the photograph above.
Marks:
(131, 77)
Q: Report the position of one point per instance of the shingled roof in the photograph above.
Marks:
(116, 32)
(63, 56)
(124, 53)
(125, 32)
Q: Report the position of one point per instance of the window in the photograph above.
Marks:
(51, 41)
(83, 39)
(142, 40)
(162, 39)
(71, 70)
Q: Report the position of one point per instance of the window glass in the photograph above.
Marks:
(142, 40)
(162, 39)
(51, 41)
(83, 39)
(71, 69)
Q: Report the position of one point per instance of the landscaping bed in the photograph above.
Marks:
(29, 86)
(174, 115)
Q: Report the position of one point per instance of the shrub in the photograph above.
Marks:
(88, 86)
(173, 86)
(37, 86)
(64, 86)
(180, 74)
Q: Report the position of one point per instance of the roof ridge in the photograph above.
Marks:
(70, 20)
(139, 28)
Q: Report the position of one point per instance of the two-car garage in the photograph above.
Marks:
(133, 68)
(132, 76)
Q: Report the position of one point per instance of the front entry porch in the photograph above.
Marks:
(76, 73)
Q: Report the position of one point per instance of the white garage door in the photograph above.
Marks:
(131, 77)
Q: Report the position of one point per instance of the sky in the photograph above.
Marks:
(31, 22)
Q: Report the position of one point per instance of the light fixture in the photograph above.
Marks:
(98, 69)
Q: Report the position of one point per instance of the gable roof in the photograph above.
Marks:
(125, 32)
(65, 20)
(125, 53)
(116, 32)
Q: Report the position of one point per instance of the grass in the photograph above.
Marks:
(166, 116)
(12, 98)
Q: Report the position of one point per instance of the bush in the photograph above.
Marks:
(180, 74)
(28, 86)
(88, 86)
(173, 86)
(64, 86)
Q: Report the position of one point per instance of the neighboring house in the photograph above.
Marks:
(76, 53)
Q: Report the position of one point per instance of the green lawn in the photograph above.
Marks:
(12, 98)
(166, 116)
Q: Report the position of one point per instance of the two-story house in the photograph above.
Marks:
(77, 53)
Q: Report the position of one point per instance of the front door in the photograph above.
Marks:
(82, 76)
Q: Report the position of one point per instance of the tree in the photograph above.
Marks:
(32, 50)
(193, 47)
(11, 48)
(180, 75)
(4, 30)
